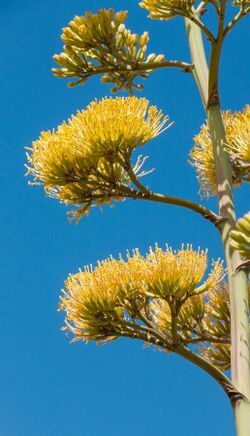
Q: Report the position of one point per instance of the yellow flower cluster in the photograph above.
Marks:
(240, 237)
(178, 273)
(84, 161)
(237, 145)
(100, 302)
(238, 138)
(202, 319)
(101, 44)
(167, 9)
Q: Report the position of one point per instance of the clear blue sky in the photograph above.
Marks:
(49, 387)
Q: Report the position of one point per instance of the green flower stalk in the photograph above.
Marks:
(166, 298)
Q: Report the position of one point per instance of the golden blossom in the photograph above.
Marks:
(100, 302)
(178, 273)
(237, 126)
(84, 161)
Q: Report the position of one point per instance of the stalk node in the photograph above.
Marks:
(213, 97)
(233, 394)
(245, 265)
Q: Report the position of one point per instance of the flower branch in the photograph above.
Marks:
(244, 10)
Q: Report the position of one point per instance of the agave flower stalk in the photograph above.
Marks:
(207, 81)
(162, 298)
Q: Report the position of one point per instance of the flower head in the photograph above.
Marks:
(115, 126)
(100, 301)
(101, 44)
(238, 139)
(167, 9)
(84, 161)
(237, 126)
(95, 299)
(176, 274)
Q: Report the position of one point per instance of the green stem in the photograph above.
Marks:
(157, 339)
(150, 66)
(242, 413)
(166, 199)
(195, 19)
(238, 286)
(218, 375)
(244, 11)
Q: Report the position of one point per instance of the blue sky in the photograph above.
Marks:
(49, 387)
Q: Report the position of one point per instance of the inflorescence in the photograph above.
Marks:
(100, 44)
(167, 9)
(237, 126)
(87, 160)
(161, 298)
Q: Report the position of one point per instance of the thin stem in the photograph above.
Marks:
(200, 8)
(208, 339)
(196, 19)
(214, 3)
(218, 375)
(166, 199)
(150, 66)
(243, 11)
(184, 352)
(129, 170)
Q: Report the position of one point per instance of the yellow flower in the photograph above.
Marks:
(237, 126)
(238, 138)
(167, 9)
(118, 125)
(84, 160)
(161, 316)
(218, 354)
(91, 306)
(176, 274)
(240, 237)
(95, 299)
(100, 301)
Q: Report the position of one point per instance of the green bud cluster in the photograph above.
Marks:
(101, 44)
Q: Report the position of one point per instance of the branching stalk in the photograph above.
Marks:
(166, 199)
(155, 338)
(240, 356)
(243, 11)
(150, 66)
